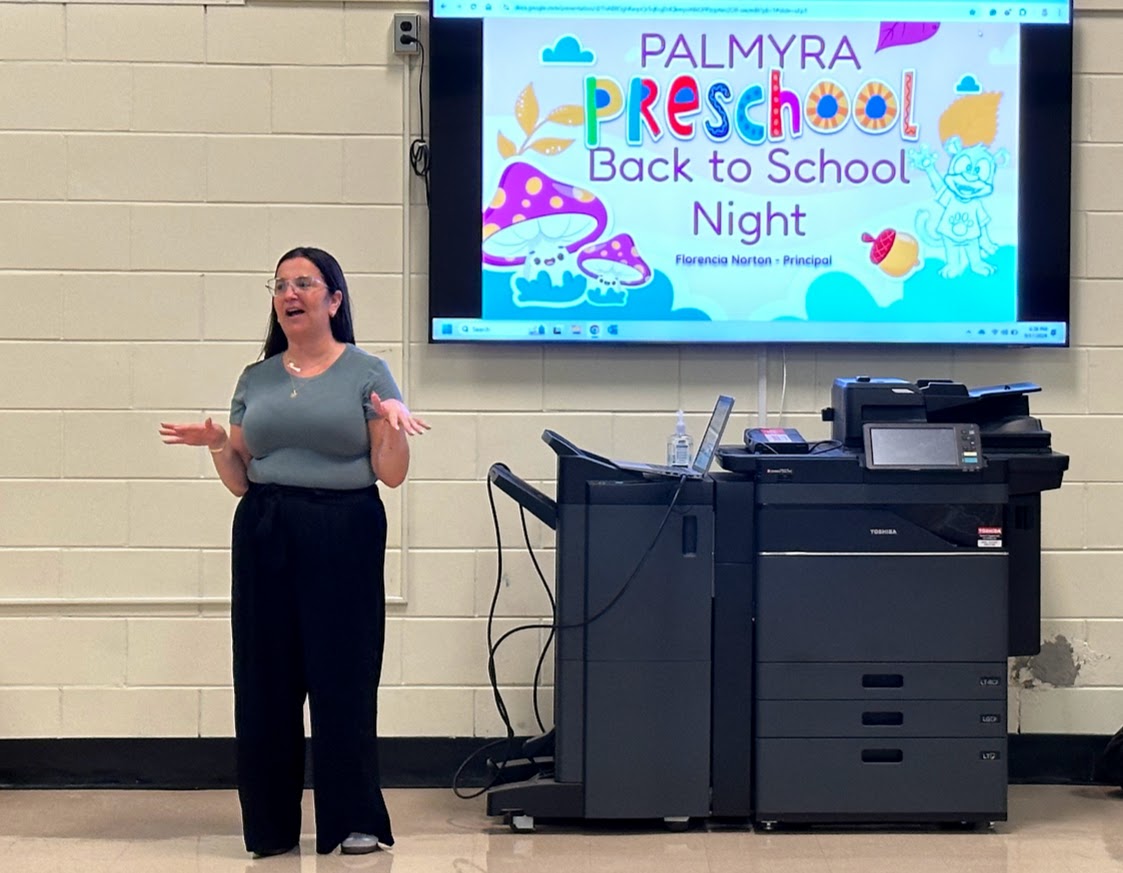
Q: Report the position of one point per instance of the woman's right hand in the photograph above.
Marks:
(206, 434)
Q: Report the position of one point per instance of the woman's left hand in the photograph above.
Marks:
(397, 415)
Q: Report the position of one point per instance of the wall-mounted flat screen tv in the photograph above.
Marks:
(719, 171)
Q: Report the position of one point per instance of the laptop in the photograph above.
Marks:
(707, 447)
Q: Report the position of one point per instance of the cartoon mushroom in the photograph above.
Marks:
(615, 261)
(537, 221)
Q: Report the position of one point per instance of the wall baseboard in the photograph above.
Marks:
(195, 763)
(407, 762)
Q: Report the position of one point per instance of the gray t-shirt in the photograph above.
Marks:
(319, 437)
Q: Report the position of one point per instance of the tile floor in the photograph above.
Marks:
(1052, 829)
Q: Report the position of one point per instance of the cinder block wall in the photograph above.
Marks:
(154, 162)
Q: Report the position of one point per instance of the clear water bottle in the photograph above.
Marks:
(680, 445)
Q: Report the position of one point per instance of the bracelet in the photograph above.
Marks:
(221, 448)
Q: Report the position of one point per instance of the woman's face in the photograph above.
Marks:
(304, 304)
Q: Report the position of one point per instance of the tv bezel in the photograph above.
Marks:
(455, 48)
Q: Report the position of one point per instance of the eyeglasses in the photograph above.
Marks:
(277, 287)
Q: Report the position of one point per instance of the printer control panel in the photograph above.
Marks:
(922, 446)
(970, 445)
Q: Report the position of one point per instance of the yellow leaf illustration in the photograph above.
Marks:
(571, 114)
(551, 145)
(526, 110)
(507, 148)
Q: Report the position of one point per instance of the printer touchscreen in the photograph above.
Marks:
(920, 446)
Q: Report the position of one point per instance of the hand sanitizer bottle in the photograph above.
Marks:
(680, 445)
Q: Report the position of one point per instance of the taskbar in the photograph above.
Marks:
(607, 330)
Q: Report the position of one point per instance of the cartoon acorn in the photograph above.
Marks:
(894, 252)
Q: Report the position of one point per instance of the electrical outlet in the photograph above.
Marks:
(407, 30)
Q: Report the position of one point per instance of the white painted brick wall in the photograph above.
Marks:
(166, 155)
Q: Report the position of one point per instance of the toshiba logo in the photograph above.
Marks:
(883, 531)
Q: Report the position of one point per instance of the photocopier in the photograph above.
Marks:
(816, 634)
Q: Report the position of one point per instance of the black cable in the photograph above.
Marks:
(538, 679)
(419, 148)
(500, 706)
(643, 560)
(553, 617)
(488, 787)
(553, 627)
(615, 598)
(534, 560)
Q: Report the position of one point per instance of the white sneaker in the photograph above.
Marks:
(359, 844)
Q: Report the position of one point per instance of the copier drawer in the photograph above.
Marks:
(872, 681)
(880, 779)
(882, 718)
(881, 607)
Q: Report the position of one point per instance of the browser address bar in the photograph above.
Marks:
(650, 9)
(976, 11)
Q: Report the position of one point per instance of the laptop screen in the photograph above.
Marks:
(712, 437)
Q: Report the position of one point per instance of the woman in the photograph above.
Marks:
(313, 427)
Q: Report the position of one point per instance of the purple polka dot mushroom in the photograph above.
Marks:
(615, 261)
(537, 222)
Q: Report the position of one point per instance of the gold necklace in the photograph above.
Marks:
(290, 365)
(292, 381)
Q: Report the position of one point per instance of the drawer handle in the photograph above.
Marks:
(883, 680)
(883, 718)
(882, 756)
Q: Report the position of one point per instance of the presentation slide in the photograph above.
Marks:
(692, 173)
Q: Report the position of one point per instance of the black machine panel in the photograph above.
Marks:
(888, 607)
(925, 499)
(632, 687)
(877, 682)
(852, 526)
(892, 718)
(881, 780)
(819, 633)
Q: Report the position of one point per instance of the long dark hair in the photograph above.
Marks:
(342, 328)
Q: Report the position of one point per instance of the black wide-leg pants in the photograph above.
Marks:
(308, 618)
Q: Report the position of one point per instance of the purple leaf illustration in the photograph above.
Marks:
(905, 33)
